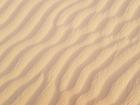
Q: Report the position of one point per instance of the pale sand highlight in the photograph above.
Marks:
(69, 52)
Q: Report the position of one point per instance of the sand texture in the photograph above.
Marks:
(69, 52)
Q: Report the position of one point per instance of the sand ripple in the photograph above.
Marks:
(69, 52)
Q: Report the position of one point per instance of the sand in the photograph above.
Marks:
(69, 52)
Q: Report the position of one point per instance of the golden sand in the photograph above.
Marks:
(69, 52)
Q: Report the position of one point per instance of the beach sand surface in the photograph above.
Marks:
(69, 52)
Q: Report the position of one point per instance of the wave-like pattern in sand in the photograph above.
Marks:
(69, 52)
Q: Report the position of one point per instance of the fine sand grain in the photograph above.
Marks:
(69, 52)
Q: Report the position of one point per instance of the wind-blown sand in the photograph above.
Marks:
(69, 52)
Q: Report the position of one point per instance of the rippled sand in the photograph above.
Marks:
(69, 52)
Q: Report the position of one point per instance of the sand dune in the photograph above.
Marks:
(69, 52)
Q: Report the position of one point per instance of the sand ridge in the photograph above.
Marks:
(69, 52)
